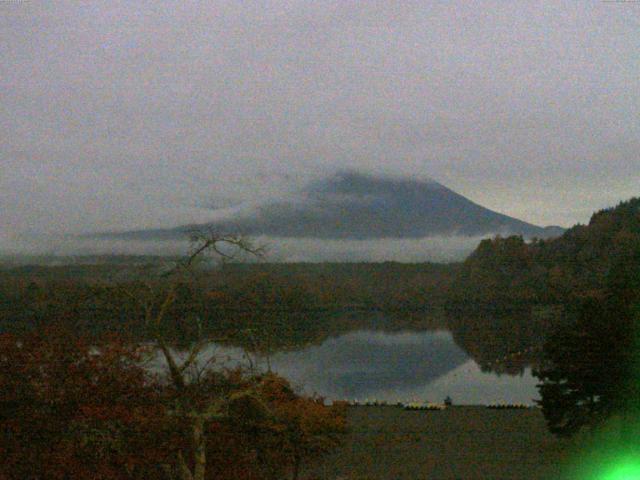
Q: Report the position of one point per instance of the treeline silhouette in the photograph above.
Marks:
(512, 293)
(257, 306)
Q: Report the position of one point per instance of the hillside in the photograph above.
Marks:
(510, 270)
(508, 294)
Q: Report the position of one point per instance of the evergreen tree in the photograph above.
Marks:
(592, 361)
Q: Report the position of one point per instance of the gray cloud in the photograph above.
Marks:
(134, 115)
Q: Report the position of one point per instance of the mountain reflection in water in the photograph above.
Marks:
(393, 367)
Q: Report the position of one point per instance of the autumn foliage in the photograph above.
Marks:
(71, 409)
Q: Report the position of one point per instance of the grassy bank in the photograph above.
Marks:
(388, 443)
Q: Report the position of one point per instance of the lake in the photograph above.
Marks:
(393, 367)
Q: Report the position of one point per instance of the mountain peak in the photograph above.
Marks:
(353, 182)
(354, 205)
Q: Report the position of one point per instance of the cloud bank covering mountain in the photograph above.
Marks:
(353, 206)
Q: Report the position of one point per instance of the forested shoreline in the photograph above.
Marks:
(507, 288)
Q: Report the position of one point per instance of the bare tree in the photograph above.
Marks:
(186, 375)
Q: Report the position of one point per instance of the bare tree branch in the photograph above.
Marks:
(156, 303)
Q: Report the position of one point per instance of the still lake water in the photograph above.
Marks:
(393, 367)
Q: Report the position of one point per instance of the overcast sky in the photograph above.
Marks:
(134, 114)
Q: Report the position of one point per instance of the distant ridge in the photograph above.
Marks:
(357, 206)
